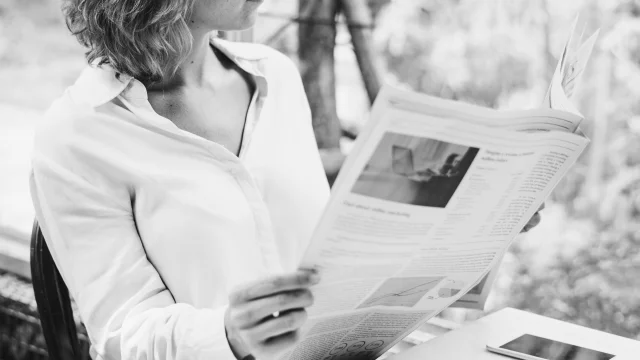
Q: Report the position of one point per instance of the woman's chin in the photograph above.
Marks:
(244, 23)
(248, 23)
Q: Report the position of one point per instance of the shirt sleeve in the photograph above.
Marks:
(305, 136)
(127, 310)
(309, 146)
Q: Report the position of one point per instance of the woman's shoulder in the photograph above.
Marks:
(57, 124)
(62, 117)
(79, 140)
(67, 119)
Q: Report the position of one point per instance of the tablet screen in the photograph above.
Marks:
(553, 350)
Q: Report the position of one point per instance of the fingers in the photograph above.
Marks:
(249, 321)
(254, 312)
(283, 324)
(282, 342)
(535, 220)
(298, 280)
(274, 335)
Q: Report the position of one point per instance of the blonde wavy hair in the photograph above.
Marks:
(146, 39)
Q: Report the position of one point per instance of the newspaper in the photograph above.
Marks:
(427, 203)
(564, 83)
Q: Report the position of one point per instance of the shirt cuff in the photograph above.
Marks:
(218, 347)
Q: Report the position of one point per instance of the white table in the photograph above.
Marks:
(469, 342)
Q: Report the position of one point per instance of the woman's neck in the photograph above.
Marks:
(201, 63)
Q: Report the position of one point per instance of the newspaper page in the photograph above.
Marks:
(428, 201)
(568, 73)
(564, 83)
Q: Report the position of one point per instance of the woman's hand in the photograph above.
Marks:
(264, 319)
(534, 221)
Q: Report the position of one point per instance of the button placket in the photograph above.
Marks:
(262, 218)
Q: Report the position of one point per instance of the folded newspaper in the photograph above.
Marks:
(426, 205)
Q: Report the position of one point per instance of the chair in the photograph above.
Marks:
(54, 305)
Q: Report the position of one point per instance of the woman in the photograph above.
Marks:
(176, 170)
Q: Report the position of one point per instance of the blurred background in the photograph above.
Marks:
(582, 264)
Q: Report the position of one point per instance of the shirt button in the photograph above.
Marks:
(236, 171)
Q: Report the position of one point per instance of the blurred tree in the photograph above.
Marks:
(631, 7)
(360, 22)
(461, 50)
(583, 266)
(593, 279)
(316, 44)
(376, 6)
(317, 39)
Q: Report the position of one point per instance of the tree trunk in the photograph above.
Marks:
(315, 50)
(358, 17)
(375, 6)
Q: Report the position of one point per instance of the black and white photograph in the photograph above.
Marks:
(169, 177)
(415, 170)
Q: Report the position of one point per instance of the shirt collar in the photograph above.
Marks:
(97, 85)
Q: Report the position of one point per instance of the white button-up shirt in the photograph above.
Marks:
(152, 226)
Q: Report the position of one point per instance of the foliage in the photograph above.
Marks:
(583, 263)
(455, 51)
